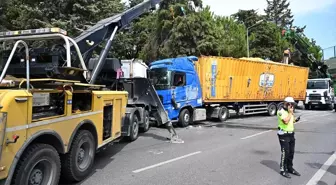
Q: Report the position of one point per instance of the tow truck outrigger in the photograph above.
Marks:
(67, 110)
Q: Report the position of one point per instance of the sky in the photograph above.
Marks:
(318, 15)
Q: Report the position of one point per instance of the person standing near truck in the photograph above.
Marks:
(286, 137)
(286, 56)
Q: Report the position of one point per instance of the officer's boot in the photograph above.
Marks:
(294, 172)
(285, 174)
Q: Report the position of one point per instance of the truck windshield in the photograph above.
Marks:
(161, 78)
(317, 85)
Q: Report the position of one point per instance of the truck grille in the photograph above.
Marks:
(315, 97)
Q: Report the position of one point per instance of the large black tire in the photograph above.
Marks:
(146, 125)
(272, 109)
(307, 107)
(223, 113)
(40, 164)
(78, 162)
(280, 105)
(185, 118)
(134, 129)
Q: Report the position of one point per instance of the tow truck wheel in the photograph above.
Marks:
(78, 162)
(146, 125)
(223, 114)
(40, 165)
(134, 129)
(185, 118)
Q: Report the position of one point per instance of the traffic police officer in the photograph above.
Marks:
(286, 137)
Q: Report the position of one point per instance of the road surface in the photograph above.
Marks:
(238, 152)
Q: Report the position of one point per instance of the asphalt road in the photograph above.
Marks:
(238, 152)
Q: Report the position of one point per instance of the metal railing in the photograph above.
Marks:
(329, 52)
(67, 41)
(10, 59)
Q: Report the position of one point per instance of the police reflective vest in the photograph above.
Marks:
(282, 114)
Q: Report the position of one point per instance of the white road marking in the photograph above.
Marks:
(256, 134)
(165, 162)
(319, 174)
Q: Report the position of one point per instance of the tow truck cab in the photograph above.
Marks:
(319, 93)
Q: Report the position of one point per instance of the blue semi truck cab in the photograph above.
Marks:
(178, 86)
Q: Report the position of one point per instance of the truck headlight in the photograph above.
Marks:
(3, 122)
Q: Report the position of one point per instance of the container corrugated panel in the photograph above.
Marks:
(225, 79)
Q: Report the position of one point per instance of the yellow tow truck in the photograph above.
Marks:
(46, 131)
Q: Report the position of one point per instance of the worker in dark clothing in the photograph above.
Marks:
(286, 137)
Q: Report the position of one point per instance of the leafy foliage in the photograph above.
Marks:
(278, 12)
(179, 27)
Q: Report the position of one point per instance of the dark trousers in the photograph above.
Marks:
(287, 144)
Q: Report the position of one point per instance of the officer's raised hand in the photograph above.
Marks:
(291, 109)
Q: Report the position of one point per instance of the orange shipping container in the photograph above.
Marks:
(226, 79)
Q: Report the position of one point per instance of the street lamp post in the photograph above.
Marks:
(247, 36)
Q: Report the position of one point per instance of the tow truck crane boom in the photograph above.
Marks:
(317, 68)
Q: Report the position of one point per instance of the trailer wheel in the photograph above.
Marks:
(40, 164)
(184, 118)
(307, 107)
(78, 162)
(146, 125)
(134, 131)
(272, 108)
(223, 113)
(280, 105)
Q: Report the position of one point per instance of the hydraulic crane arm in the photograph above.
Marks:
(103, 30)
(295, 36)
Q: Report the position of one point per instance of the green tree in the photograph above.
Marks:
(278, 11)
(264, 39)
(73, 16)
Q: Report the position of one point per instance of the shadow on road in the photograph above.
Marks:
(321, 183)
(154, 136)
(331, 169)
(260, 152)
(271, 164)
(244, 126)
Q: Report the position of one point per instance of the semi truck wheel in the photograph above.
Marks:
(272, 108)
(307, 107)
(184, 118)
(145, 126)
(223, 113)
(78, 162)
(134, 124)
(40, 164)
